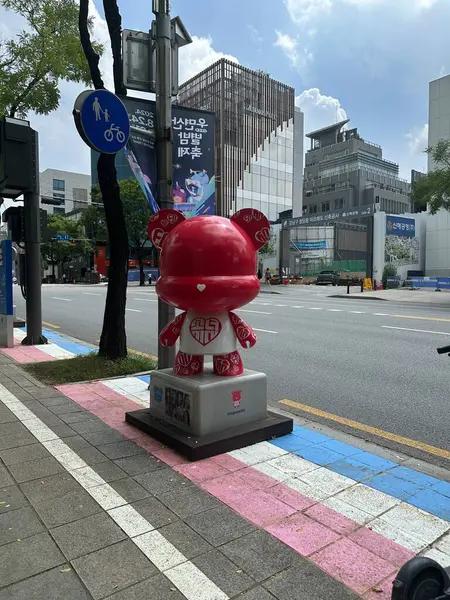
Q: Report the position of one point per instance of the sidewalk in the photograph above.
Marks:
(92, 508)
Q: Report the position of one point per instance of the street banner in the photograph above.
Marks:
(193, 156)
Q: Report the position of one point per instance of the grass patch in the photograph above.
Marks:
(87, 368)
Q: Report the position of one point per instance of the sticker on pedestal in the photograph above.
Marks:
(178, 405)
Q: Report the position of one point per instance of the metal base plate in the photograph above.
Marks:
(196, 448)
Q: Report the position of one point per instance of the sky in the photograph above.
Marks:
(367, 60)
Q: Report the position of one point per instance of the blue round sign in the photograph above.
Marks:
(102, 121)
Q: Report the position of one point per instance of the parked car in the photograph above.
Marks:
(328, 277)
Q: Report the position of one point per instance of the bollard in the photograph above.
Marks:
(362, 286)
(348, 288)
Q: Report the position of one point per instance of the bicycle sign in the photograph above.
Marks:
(102, 121)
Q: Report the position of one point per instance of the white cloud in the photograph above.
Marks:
(297, 56)
(418, 139)
(199, 55)
(255, 35)
(319, 110)
(304, 11)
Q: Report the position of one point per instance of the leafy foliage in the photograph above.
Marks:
(268, 250)
(45, 52)
(388, 271)
(136, 210)
(434, 189)
(60, 253)
(93, 221)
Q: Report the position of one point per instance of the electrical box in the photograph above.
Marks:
(17, 157)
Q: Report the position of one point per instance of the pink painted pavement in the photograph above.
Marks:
(27, 354)
(358, 557)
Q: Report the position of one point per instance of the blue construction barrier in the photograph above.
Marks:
(435, 283)
(133, 274)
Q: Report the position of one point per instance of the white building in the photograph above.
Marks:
(439, 113)
(64, 191)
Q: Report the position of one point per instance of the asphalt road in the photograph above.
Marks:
(370, 361)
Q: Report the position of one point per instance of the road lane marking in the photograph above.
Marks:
(298, 307)
(144, 300)
(387, 435)
(63, 299)
(423, 318)
(91, 294)
(50, 325)
(381, 315)
(314, 308)
(264, 330)
(257, 312)
(334, 310)
(416, 330)
(182, 573)
(133, 310)
(357, 312)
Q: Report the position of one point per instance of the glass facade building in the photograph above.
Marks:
(259, 138)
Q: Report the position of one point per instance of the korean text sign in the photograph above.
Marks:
(400, 226)
(193, 156)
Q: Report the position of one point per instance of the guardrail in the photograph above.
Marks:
(436, 283)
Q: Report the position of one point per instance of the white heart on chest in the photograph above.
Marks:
(201, 287)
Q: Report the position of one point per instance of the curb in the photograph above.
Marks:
(350, 297)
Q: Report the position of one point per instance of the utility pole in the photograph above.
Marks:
(33, 252)
(163, 43)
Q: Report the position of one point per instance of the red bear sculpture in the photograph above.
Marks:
(208, 269)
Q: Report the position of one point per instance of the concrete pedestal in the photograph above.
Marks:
(206, 415)
(6, 331)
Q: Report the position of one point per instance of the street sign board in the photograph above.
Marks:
(102, 121)
(63, 237)
(6, 285)
(358, 212)
(138, 61)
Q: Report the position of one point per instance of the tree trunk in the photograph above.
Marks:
(141, 271)
(113, 341)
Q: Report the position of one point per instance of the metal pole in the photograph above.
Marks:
(166, 313)
(33, 255)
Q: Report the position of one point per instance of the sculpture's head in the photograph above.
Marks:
(208, 264)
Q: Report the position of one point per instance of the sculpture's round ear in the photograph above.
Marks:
(161, 224)
(255, 224)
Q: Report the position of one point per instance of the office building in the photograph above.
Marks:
(259, 138)
(342, 170)
(438, 113)
(64, 191)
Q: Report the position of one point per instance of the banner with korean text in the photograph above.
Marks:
(193, 156)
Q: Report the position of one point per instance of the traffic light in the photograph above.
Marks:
(13, 216)
(17, 147)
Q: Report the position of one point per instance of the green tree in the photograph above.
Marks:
(434, 189)
(44, 53)
(137, 214)
(61, 253)
(93, 220)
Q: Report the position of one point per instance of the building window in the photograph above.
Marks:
(58, 210)
(339, 203)
(61, 197)
(59, 185)
(325, 206)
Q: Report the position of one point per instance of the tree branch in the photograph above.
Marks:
(18, 101)
(114, 20)
(91, 56)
